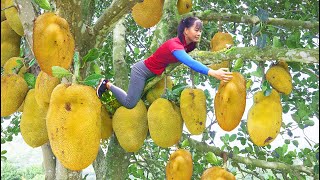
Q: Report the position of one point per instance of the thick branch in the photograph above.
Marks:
(210, 15)
(203, 147)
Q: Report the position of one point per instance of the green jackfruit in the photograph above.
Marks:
(10, 42)
(12, 16)
(279, 77)
(44, 87)
(159, 89)
(165, 122)
(194, 110)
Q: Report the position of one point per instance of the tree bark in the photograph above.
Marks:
(99, 165)
(63, 173)
(49, 162)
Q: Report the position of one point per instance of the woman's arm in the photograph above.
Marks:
(221, 74)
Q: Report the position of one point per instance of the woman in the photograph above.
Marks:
(172, 51)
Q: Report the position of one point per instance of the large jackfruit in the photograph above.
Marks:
(230, 102)
(264, 118)
(184, 6)
(13, 91)
(3, 16)
(53, 43)
(131, 126)
(217, 173)
(279, 77)
(147, 13)
(74, 125)
(44, 87)
(165, 122)
(194, 110)
(12, 65)
(33, 122)
(219, 42)
(12, 16)
(159, 89)
(10, 42)
(179, 165)
(106, 123)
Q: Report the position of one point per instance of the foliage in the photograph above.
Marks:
(11, 172)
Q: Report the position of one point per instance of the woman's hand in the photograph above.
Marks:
(222, 74)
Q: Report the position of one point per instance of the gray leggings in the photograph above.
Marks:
(138, 77)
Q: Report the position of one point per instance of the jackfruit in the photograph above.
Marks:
(179, 165)
(158, 89)
(279, 77)
(219, 42)
(33, 122)
(12, 16)
(12, 65)
(131, 126)
(53, 43)
(3, 16)
(264, 118)
(193, 110)
(74, 125)
(217, 173)
(147, 13)
(184, 6)
(10, 42)
(13, 91)
(165, 122)
(106, 123)
(44, 87)
(230, 102)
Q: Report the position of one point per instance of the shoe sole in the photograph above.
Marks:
(97, 89)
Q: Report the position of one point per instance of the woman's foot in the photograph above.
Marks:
(102, 87)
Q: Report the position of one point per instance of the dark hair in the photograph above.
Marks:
(186, 23)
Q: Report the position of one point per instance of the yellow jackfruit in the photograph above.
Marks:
(10, 42)
(74, 125)
(165, 122)
(147, 13)
(217, 173)
(179, 165)
(279, 77)
(131, 126)
(11, 66)
(33, 122)
(53, 43)
(230, 102)
(194, 110)
(12, 16)
(3, 16)
(106, 123)
(44, 87)
(13, 91)
(184, 6)
(264, 118)
(159, 89)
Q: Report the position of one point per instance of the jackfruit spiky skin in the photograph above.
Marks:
(33, 122)
(3, 16)
(12, 16)
(13, 91)
(44, 87)
(158, 89)
(179, 165)
(217, 173)
(74, 125)
(264, 118)
(194, 110)
(165, 122)
(53, 43)
(279, 77)
(147, 13)
(230, 102)
(11, 64)
(131, 126)
(10, 42)
(106, 123)
(184, 6)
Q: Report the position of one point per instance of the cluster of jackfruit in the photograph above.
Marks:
(220, 41)
(230, 102)
(279, 77)
(264, 118)
(217, 173)
(53, 43)
(179, 165)
(159, 89)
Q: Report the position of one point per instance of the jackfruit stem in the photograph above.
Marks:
(76, 73)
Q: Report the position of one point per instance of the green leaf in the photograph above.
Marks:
(93, 79)
(60, 72)
(309, 122)
(3, 152)
(232, 137)
(185, 143)
(287, 141)
(263, 15)
(255, 29)
(238, 64)
(30, 79)
(92, 55)
(295, 142)
(211, 158)
(262, 41)
(257, 73)
(44, 4)
(276, 42)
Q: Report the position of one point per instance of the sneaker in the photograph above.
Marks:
(102, 87)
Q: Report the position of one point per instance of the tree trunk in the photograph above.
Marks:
(99, 165)
(63, 173)
(49, 161)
